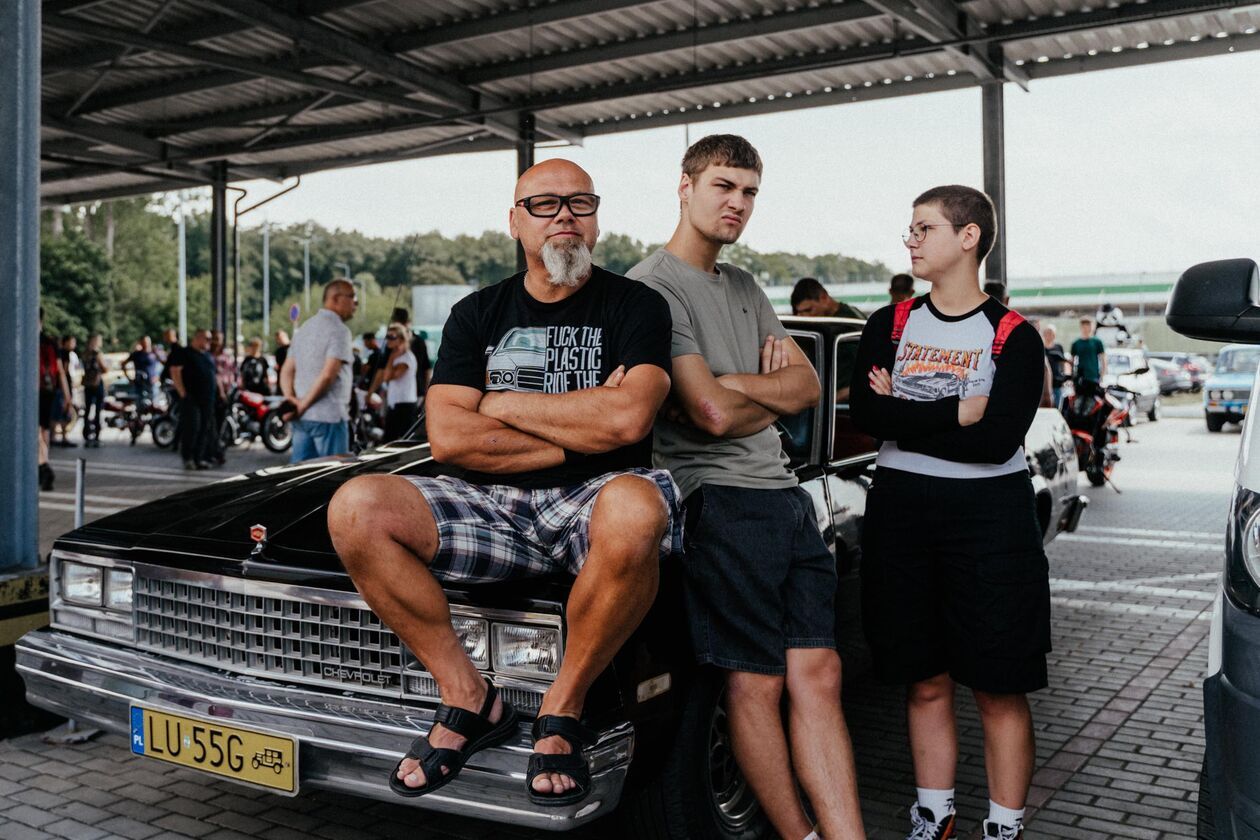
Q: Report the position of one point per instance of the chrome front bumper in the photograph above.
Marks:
(347, 744)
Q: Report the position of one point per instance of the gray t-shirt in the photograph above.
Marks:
(724, 317)
(322, 337)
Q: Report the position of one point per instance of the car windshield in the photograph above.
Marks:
(1239, 361)
(527, 340)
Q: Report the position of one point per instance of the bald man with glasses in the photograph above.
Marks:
(544, 393)
(316, 375)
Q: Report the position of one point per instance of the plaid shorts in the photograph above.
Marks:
(495, 532)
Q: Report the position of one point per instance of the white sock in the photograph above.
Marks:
(939, 802)
(1005, 816)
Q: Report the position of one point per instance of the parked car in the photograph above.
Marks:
(1195, 365)
(1227, 392)
(1127, 367)
(222, 616)
(1173, 379)
(1216, 302)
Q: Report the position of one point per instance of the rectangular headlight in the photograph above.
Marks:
(118, 590)
(81, 584)
(526, 650)
(474, 635)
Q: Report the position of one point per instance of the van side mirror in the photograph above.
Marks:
(1217, 301)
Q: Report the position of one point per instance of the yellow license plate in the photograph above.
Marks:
(269, 761)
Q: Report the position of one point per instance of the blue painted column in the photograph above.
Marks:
(19, 282)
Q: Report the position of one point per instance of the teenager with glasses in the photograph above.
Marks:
(955, 583)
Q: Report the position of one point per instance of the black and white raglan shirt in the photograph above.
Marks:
(936, 360)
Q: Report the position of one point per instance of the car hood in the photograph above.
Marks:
(214, 522)
(1230, 380)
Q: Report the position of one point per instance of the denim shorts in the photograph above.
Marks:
(497, 532)
(954, 579)
(759, 577)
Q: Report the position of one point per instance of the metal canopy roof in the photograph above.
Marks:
(144, 95)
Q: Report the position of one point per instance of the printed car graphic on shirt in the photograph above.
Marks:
(519, 361)
(930, 386)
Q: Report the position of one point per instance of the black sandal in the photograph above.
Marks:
(572, 765)
(475, 726)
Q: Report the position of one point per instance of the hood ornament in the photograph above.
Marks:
(258, 533)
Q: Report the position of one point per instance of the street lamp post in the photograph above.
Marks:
(266, 267)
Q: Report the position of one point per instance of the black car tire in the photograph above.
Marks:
(1095, 476)
(699, 792)
(277, 434)
(1206, 820)
(1214, 423)
(163, 431)
(1153, 414)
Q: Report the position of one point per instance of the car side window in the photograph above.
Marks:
(846, 440)
(798, 432)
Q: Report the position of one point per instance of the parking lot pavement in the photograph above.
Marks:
(1119, 730)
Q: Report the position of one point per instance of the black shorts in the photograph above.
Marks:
(954, 579)
(759, 578)
(45, 408)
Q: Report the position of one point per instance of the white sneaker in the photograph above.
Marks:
(924, 825)
(1003, 832)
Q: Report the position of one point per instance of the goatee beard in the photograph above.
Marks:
(567, 264)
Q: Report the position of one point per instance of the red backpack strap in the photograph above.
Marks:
(901, 314)
(1005, 327)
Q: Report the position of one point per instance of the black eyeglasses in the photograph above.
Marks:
(547, 206)
(919, 232)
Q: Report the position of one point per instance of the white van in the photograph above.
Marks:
(1220, 301)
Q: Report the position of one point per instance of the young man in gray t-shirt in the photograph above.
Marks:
(760, 580)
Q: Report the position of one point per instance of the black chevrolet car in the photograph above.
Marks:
(218, 630)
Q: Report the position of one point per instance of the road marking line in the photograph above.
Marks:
(1175, 578)
(1061, 585)
(1149, 532)
(90, 509)
(1132, 609)
(92, 497)
(1143, 543)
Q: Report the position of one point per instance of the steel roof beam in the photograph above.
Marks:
(941, 21)
(143, 188)
(753, 27)
(205, 29)
(321, 38)
(507, 21)
(247, 66)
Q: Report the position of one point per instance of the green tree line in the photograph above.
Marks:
(111, 267)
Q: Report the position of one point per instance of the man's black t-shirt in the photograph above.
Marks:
(502, 339)
(421, 351)
(199, 376)
(176, 356)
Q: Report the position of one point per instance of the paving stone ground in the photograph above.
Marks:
(1119, 730)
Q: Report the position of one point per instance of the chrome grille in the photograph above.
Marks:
(524, 699)
(327, 644)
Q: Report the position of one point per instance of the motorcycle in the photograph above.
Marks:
(120, 410)
(252, 416)
(1095, 416)
(367, 429)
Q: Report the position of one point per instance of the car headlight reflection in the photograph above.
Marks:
(526, 650)
(474, 635)
(1229, 395)
(118, 590)
(81, 584)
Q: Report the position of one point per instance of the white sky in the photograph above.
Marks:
(1140, 169)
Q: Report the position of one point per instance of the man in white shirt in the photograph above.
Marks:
(316, 376)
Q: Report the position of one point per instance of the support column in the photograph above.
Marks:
(19, 289)
(994, 125)
(524, 160)
(218, 249)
